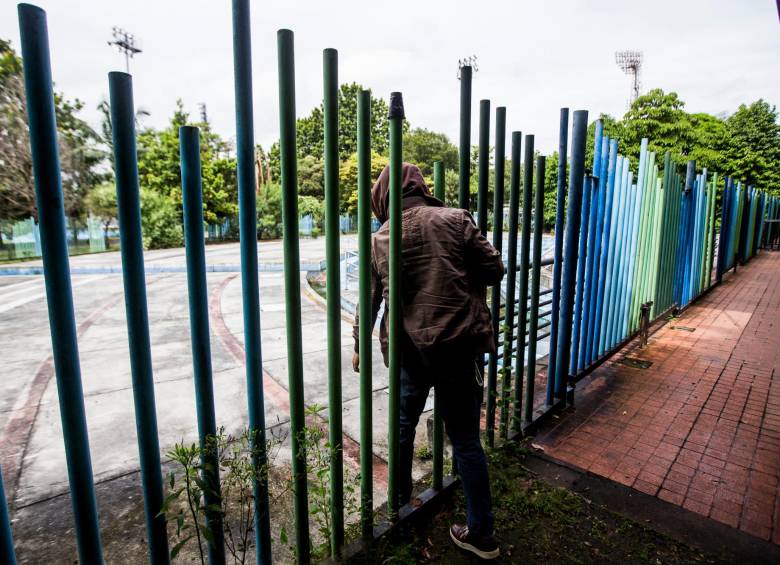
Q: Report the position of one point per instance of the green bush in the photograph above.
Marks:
(160, 221)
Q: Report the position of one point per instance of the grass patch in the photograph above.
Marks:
(537, 523)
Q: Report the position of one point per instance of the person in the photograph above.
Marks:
(447, 263)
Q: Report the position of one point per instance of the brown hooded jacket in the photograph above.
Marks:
(446, 264)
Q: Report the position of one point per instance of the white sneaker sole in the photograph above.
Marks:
(476, 551)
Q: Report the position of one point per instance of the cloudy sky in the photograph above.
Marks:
(533, 57)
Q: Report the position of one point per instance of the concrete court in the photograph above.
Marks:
(31, 447)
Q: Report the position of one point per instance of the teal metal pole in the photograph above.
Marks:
(484, 165)
(192, 204)
(333, 290)
(464, 170)
(7, 553)
(438, 180)
(365, 329)
(495, 291)
(438, 425)
(128, 202)
(535, 276)
(511, 286)
(396, 118)
(56, 269)
(292, 289)
(250, 289)
(525, 245)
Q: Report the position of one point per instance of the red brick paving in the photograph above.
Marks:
(700, 428)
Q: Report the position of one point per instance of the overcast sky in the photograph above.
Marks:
(534, 57)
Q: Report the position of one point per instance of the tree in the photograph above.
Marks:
(348, 179)
(752, 150)
(80, 154)
(310, 130)
(311, 177)
(422, 147)
(101, 202)
(659, 117)
(160, 170)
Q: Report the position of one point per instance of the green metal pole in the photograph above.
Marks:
(464, 169)
(495, 291)
(192, 204)
(511, 274)
(525, 245)
(484, 165)
(438, 180)
(365, 329)
(396, 117)
(250, 289)
(128, 202)
(292, 289)
(438, 425)
(333, 289)
(536, 269)
(56, 269)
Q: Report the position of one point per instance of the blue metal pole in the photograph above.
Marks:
(614, 224)
(582, 256)
(56, 268)
(192, 204)
(597, 207)
(579, 130)
(581, 344)
(7, 553)
(129, 215)
(250, 289)
(617, 264)
(560, 200)
(604, 245)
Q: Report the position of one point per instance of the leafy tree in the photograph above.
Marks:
(80, 154)
(753, 146)
(269, 211)
(661, 118)
(159, 167)
(311, 177)
(311, 130)
(348, 179)
(422, 147)
(101, 202)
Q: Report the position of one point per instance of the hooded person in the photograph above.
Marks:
(446, 265)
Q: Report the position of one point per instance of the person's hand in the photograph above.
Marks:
(356, 362)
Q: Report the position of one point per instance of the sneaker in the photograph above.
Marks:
(485, 547)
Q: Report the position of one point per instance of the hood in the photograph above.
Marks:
(414, 191)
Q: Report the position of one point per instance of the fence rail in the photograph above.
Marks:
(623, 247)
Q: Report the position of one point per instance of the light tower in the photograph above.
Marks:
(630, 62)
(126, 43)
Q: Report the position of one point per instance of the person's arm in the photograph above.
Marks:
(376, 301)
(482, 259)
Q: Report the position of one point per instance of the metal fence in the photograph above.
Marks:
(625, 252)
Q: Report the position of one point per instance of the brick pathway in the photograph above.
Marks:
(700, 428)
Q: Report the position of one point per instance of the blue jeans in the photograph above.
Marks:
(459, 398)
